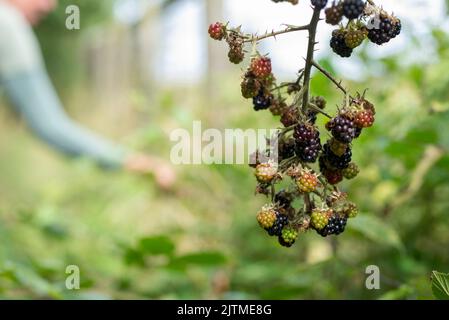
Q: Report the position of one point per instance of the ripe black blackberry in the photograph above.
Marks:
(334, 161)
(342, 129)
(262, 101)
(338, 44)
(352, 9)
(319, 4)
(283, 198)
(279, 224)
(286, 149)
(334, 14)
(388, 27)
(336, 225)
(357, 132)
(308, 144)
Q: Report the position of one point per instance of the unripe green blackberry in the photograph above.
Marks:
(320, 218)
(334, 14)
(266, 216)
(288, 236)
(351, 171)
(266, 172)
(350, 209)
(355, 37)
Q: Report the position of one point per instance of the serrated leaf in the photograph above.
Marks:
(440, 285)
(376, 230)
(156, 245)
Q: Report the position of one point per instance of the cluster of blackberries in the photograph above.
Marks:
(336, 225)
(379, 28)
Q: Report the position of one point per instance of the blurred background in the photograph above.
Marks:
(138, 69)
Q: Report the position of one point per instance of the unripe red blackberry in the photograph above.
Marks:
(262, 100)
(290, 116)
(307, 181)
(336, 225)
(352, 9)
(338, 44)
(364, 119)
(319, 4)
(266, 172)
(333, 176)
(351, 171)
(266, 216)
(342, 129)
(250, 86)
(217, 31)
(336, 162)
(334, 14)
(261, 67)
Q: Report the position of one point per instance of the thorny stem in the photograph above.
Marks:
(308, 203)
(330, 77)
(276, 33)
(310, 51)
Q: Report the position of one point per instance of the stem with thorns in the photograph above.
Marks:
(276, 33)
(329, 76)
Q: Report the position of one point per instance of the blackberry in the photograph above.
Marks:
(336, 225)
(334, 161)
(262, 101)
(266, 217)
(319, 4)
(266, 172)
(290, 116)
(261, 67)
(364, 118)
(357, 132)
(350, 209)
(320, 218)
(307, 181)
(308, 144)
(279, 224)
(283, 198)
(250, 86)
(311, 114)
(277, 107)
(337, 147)
(333, 176)
(319, 101)
(351, 171)
(342, 129)
(334, 14)
(235, 41)
(352, 9)
(388, 28)
(286, 149)
(355, 37)
(288, 236)
(338, 44)
(217, 31)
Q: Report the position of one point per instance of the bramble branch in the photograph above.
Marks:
(276, 33)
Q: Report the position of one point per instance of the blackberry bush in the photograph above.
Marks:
(311, 198)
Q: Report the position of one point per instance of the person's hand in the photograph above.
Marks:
(142, 164)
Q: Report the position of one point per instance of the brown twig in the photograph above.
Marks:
(330, 77)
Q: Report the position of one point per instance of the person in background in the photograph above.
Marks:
(24, 78)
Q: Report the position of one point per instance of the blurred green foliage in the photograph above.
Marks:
(131, 240)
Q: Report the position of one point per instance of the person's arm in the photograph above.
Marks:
(33, 95)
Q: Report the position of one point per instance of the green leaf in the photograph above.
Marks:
(440, 285)
(211, 258)
(376, 230)
(134, 257)
(157, 245)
